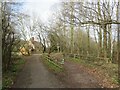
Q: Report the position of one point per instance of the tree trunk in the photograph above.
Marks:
(105, 40)
(72, 27)
(100, 30)
(64, 28)
(118, 40)
(88, 33)
(109, 43)
(100, 41)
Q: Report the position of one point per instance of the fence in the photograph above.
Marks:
(53, 61)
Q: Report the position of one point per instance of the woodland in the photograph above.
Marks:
(89, 31)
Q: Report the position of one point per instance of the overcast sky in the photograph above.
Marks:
(40, 8)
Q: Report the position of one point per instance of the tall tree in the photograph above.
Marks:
(118, 39)
(9, 37)
(72, 26)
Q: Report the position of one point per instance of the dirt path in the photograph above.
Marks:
(35, 75)
(78, 77)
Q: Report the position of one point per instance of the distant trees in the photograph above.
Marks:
(42, 37)
(39, 31)
(87, 28)
(84, 28)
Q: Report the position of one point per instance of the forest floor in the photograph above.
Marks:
(75, 75)
(106, 73)
(79, 76)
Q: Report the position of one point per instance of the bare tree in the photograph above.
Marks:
(9, 37)
(118, 39)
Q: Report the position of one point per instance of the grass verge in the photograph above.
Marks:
(10, 75)
(52, 65)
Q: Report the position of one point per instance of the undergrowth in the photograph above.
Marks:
(9, 76)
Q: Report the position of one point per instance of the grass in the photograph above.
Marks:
(109, 69)
(10, 75)
(51, 65)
